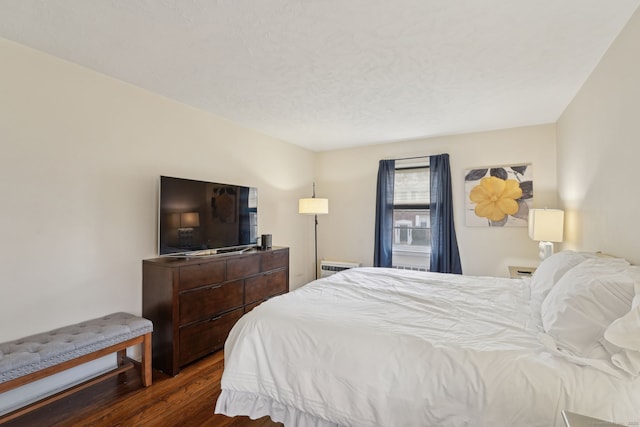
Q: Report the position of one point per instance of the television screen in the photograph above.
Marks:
(198, 216)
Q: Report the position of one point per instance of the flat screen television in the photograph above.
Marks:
(205, 218)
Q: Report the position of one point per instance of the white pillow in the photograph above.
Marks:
(551, 270)
(624, 333)
(584, 302)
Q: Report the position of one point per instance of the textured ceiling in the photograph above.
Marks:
(327, 74)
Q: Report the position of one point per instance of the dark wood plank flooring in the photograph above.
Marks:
(187, 399)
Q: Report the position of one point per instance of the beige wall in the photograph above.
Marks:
(348, 179)
(81, 157)
(598, 152)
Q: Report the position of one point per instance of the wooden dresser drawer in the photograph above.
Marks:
(265, 285)
(249, 307)
(209, 273)
(204, 303)
(243, 266)
(272, 260)
(203, 338)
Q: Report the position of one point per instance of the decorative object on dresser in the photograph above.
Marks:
(194, 302)
(265, 241)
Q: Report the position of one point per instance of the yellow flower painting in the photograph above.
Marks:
(498, 196)
(495, 197)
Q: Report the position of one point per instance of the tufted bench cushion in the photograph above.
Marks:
(36, 352)
(37, 356)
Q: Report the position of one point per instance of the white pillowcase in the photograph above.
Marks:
(554, 267)
(624, 333)
(584, 302)
(551, 270)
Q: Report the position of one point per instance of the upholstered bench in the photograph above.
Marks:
(32, 358)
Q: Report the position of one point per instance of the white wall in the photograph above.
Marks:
(598, 152)
(81, 157)
(348, 179)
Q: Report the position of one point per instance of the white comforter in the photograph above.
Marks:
(383, 347)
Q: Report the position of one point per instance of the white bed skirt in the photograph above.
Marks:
(234, 403)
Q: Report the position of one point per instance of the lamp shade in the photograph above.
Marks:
(313, 206)
(546, 225)
(189, 219)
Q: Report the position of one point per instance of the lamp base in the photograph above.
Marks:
(546, 250)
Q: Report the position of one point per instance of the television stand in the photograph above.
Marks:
(194, 302)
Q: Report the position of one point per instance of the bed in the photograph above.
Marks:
(387, 347)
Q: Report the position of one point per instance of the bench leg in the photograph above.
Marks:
(121, 357)
(146, 361)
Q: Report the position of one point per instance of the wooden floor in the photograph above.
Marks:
(187, 399)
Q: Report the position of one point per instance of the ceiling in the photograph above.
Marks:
(329, 74)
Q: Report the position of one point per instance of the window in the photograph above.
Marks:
(411, 218)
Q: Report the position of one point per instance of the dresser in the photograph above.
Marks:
(194, 302)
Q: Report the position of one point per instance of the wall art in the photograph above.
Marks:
(498, 196)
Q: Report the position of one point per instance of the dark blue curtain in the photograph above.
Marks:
(384, 214)
(445, 257)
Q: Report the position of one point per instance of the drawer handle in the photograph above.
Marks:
(213, 319)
